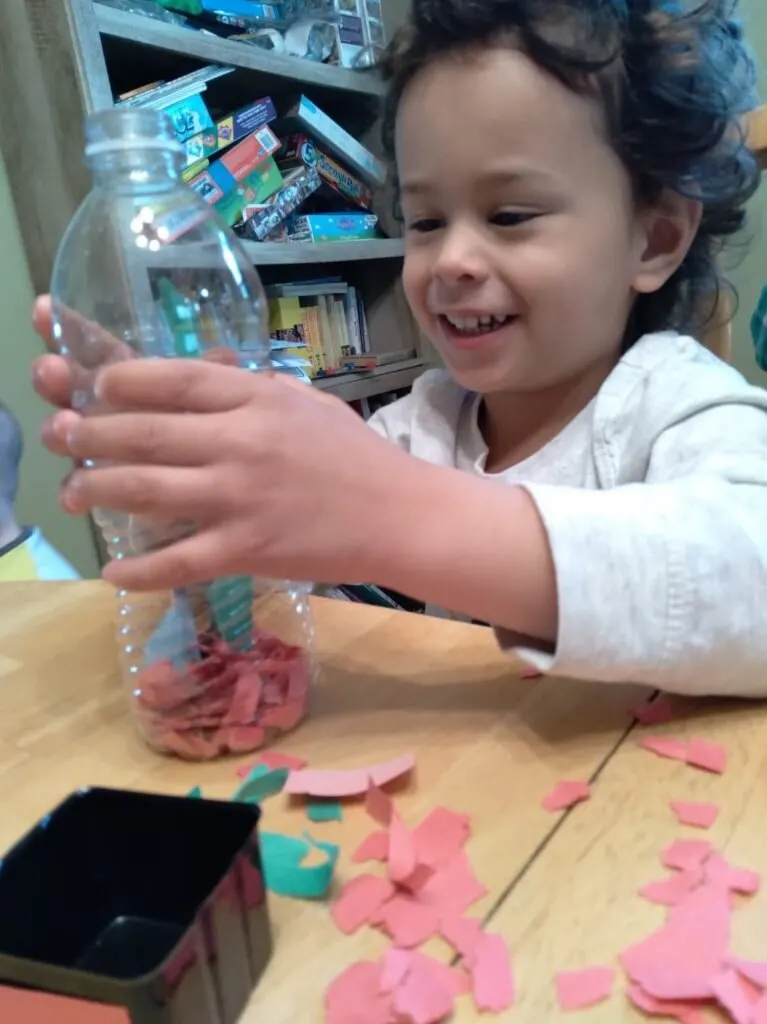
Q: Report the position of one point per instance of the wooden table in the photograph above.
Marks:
(486, 743)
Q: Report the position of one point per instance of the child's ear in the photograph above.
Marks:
(666, 232)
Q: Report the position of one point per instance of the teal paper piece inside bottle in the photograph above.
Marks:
(231, 604)
(262, 782)
(324, 810)
(282, 859)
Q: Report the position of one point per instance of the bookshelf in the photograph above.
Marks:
(63, 59)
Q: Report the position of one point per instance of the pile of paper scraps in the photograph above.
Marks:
(427, 885)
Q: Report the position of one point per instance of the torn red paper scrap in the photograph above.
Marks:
(678, 960)
(492, 983)
(373, 847)
(719, 872)
(530, 672)
(402, 857)
(565, 794)
(686, 854)
(754, 970)
(423, 997)
(407, 922)
(396, 963)
(358, 900)
(378, 805)
(731, 996)
(273, 759)
(665, 746)
(672, 890)
(711, 757)
(440, 836)
(653, 712)
(453, 888)
(683, 1011)
(744, 881)
(462, 933)
(356, 996)
(698, 815)
(347, 782)
(577, 990)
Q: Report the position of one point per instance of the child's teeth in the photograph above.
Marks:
(475, 324)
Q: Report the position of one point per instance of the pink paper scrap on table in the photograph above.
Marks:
(565, 794)
(577, 990)
(711, 757)
(665, 746)
(429, 885)
(698, 815)
(653, 712)
(347, 782)
(273, 759)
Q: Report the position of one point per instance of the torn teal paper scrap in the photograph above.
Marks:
(195, 793)
(261, 783)
(286, 875)
(324, 810)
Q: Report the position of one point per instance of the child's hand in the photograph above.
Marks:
(281, 480)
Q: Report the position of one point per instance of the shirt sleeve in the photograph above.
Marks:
(664, 582)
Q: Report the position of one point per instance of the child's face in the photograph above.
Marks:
(522, 240)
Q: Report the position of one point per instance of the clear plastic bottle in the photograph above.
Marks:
(147, 269)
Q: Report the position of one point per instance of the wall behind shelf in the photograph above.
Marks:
(749, 273)
(41, 472)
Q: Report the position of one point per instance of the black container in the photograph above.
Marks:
(151, 903)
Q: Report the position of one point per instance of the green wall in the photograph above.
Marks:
(19, 345)
(750, 272)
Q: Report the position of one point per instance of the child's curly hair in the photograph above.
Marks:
(673, 76)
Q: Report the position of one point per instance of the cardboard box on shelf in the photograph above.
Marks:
(301, 150)
(308, 117)
(328, 227)
(230, 129)
(259, 220)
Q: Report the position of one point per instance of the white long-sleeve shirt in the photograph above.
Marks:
(654, 499)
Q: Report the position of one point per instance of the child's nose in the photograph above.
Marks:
(461, 256)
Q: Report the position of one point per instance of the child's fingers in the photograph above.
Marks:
(168, 492)
(42, 320)
(176, 385)
(193, 560)
(52, 380)
(55, 431)
(161, 439)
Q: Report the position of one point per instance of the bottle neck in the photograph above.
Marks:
(144, 167)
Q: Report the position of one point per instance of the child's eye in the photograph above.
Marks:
(511, 218)
(425, 224)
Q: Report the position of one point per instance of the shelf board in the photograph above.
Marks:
(353, 386)
(271, 253)
(212, 49)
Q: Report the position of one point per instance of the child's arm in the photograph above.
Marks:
(661, 581)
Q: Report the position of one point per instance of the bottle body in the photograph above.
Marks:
(146, 270)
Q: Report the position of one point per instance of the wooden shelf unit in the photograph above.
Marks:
(63, 59)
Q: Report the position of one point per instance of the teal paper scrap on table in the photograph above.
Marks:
(282, 859)
(262, 782)
(195, 794)
(324, 810)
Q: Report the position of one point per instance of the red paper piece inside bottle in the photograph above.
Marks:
(226, 702)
